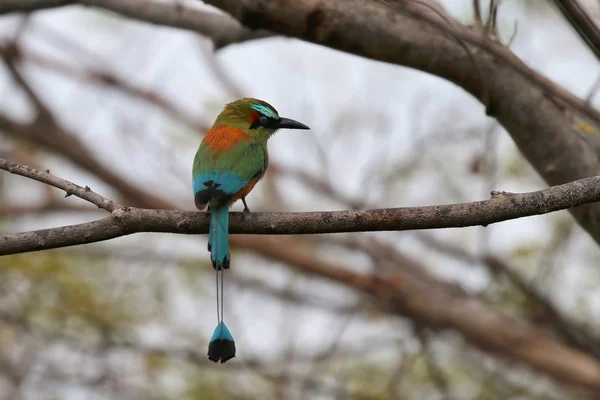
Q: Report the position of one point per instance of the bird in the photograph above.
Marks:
(231, 159)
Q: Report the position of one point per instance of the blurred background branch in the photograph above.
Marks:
(581, 21)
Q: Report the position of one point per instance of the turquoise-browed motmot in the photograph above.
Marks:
(231, 159)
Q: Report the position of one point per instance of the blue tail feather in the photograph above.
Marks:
(221, 346)
(218, 241)
(221, 333)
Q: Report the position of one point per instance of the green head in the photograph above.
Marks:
(256, 118)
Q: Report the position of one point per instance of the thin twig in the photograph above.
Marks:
(70, 188)
(491, 24)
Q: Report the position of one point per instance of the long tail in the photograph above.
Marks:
(222, 346)
(218, 241)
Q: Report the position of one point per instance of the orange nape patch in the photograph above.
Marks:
(224, 137)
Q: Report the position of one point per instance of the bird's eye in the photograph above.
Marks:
(264, 121)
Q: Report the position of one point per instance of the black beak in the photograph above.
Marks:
(286, 123)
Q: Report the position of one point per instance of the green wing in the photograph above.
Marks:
(232, 169)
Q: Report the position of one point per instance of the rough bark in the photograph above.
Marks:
(127, 220)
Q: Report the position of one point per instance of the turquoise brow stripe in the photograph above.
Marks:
(264, 110)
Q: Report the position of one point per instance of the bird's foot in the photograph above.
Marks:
(246, 209)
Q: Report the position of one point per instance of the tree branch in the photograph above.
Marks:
(46, 177)
(502, 206)
(221, 29)
(579, 19)
(9, 6)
